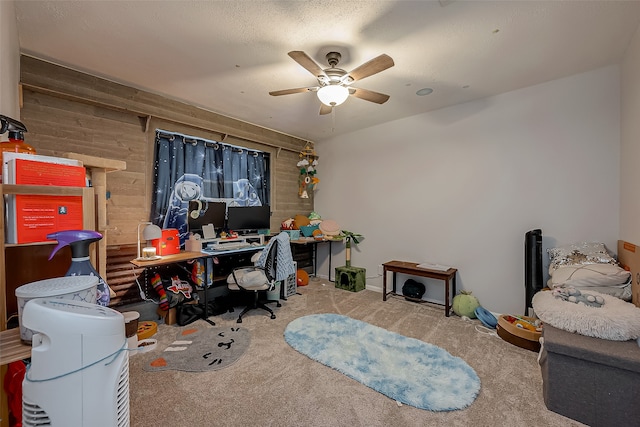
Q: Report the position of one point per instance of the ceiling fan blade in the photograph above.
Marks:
(369, 95)
(325, 109)
(370, 68)
(307, 63)
(290, 91)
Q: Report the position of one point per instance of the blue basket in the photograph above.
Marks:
(307, 230)
(293, 234)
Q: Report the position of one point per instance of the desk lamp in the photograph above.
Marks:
(150, 232)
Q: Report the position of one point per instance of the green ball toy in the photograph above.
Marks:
(465, 304)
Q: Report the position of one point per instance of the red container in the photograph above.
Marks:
(169, 244)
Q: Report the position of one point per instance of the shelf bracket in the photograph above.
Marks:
(144, 123)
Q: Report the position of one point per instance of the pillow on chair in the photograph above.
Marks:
(248, 278)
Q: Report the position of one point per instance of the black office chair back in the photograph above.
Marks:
(270, 262)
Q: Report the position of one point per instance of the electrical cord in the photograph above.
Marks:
(486, 331)
(481, 329)
(143, 295)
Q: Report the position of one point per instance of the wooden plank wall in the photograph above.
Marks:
(69, 111)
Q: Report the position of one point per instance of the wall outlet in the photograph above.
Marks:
(380, 270)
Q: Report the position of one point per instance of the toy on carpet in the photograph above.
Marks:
(156, 282)
(524, 323)
(465, 304)
(302, 278)
(486, 317)
(577, 297)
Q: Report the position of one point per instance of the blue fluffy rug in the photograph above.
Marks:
(405, 369)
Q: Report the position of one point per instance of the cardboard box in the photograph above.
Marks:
(169, 316)
(30, 218)
(629, 258)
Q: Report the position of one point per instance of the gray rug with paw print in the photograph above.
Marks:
(199, 350)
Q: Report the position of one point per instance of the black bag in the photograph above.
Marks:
(219, 306)
(188, 313)
(413, 289)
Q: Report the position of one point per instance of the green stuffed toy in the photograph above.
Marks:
(465, 304)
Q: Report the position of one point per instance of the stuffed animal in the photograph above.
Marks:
(465, 304)
(287, 224)
(575, 296)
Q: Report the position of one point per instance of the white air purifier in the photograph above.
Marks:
(79, 372)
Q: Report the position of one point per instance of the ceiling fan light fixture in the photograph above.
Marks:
(333, 94)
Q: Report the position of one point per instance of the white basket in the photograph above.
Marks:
(290, 285)
(75, 288)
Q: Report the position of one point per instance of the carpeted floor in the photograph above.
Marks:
(274, 385)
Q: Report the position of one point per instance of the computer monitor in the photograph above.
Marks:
(202, 212)
(246, 219)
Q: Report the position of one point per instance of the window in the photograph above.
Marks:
(189, 168)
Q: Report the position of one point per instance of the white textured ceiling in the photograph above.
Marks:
(225, 56)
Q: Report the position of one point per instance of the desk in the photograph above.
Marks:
(314, 246)
(412, 269)
(172, 259)
(190, 256)
(168, 259)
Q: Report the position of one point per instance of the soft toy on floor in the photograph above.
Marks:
(465, 304)
(575, 296)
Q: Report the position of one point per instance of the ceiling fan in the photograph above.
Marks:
(334, 84)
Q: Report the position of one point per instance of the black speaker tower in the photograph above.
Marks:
(532, 265)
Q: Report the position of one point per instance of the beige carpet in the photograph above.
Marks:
(274, 385)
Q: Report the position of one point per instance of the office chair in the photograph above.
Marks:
(255, 279)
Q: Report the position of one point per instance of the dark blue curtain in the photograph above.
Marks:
(189, 168)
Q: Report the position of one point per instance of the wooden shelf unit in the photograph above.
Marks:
(11, 347)
(88, 214)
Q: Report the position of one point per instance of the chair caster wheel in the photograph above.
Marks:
(278, 305)
(273, 316)
(239, 321)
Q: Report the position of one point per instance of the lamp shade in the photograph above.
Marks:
(333, 94)
(151, 232)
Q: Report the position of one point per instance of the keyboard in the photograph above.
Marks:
(228, 246)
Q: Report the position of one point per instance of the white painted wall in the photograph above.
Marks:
(462, 185)
(630, 144)
(9, 62)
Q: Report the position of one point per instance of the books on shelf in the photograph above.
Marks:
(31, 217)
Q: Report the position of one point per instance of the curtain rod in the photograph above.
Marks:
(193, 140)
(148, 116)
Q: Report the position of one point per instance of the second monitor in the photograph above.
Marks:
(247, 219)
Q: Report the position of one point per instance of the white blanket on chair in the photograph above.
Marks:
(284, 260)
